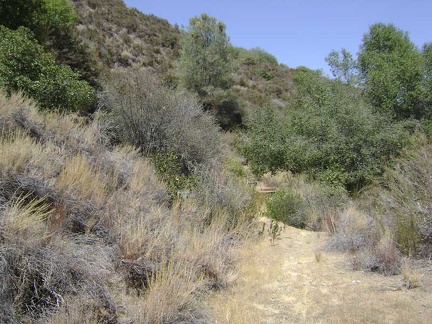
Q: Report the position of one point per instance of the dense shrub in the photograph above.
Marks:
(330, 133)
(305, 204)
(288, 207)
(24, 66)
(52, 23)
(403, 199)
(391, 68)
(47, 19)
(145, 113)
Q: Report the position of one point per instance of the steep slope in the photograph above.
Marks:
(85, 229)
(122, 37)
(118, 36)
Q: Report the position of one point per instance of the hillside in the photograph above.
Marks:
(136, 157)
(87, 234)
(119, 36)
(123, 37)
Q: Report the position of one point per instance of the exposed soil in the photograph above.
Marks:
(294, 281)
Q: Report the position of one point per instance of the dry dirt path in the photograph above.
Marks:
(291, 281)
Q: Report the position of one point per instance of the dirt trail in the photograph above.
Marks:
(293, 281)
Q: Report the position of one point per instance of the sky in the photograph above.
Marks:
(299, 32)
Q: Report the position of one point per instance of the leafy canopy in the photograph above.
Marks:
(45, 18)
(391, 70)
(205, 60)
(25, 66)
(52, 23)
(331, 133)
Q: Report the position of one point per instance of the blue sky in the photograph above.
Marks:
(300, 32)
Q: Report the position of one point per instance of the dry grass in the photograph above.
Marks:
(177, 286)
(283, 283)
(412, 276)
(83, 181)
(81, 222)
(24, 219)
(255, 280)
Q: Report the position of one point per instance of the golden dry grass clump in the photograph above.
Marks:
(85, 223)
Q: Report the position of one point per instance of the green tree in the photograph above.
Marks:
(343, 66)
(25, 66)
(47, 19)
(16, 13)
(330, 133)
(265, 146)
(52, 23)
(205, 61)
(427, 79)
(391, 70)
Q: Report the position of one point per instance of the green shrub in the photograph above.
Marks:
(266, 75)
(288, 207)
(24, 66)
(330, 133)
(169, 168)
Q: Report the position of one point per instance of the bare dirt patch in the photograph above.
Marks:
(295, 281)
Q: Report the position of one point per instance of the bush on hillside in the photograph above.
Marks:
(24, 66)
(403, 198)
(149, 115)
(288, 207)
(84, 226)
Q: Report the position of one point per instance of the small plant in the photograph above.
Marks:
(412, 279)
(274, 230)
(266, 75)
(262, 230)
(318, 255)
(170, 169)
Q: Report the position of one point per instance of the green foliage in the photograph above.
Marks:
(266, 143)
(343, 68)
(52, 23)
(287, 207)
(205, 59)
(169, 168)
(24, 66)
(16, 13)
(47, 19)
(274, 231)
(59, 86)
(256, 56)
(331, 134)
(205, 67)
(391, 70)
(266, 75)
(427, 80)
(236, 168)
